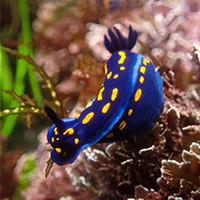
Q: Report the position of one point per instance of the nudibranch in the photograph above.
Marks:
(129, 102)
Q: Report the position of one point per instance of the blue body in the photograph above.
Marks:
(129, 102)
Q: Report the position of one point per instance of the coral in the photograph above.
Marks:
(182, 179)
(143, 193)
(189, 169)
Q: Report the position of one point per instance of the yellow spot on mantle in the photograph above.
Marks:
(100, 94)
(123, 57)
(142, 69)
(55, 131)
(76, 141)
(141, 79)
(114, 94)
(78, 116)
(52, 139)
(58, 150)
(105, 108)
(115, 76)
(106, 69)
(122, 125)
(145, 61)
(130, 112)
(109, 75)
(88, 117)
(122, 68)
(69, 131)
(138, 94)
(110, 135)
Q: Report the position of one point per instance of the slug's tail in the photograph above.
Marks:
(118, 41)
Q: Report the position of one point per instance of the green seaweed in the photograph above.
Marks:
(22, 69)
(23, 103)
(27, 172)
(6, 81)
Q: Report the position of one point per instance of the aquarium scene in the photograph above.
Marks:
(100, 100)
